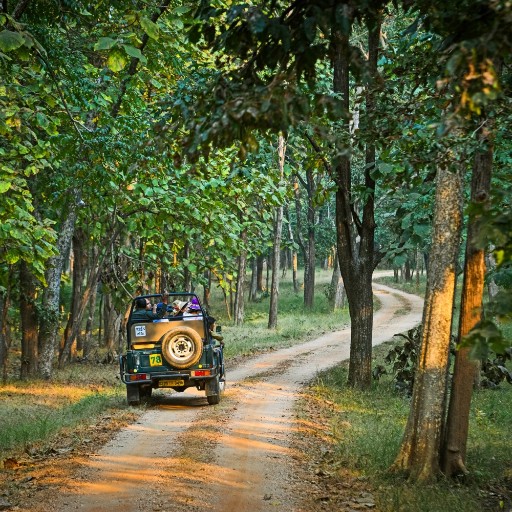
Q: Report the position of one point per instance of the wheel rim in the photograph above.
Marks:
(181, 347)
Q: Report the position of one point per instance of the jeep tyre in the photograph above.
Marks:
(182, 347)
(133, 394)
(213, 391)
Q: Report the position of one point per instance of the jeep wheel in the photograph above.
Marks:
(182, 347)
(133, 394)
(213, 386)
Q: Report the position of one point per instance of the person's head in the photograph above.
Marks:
(178, 305)
(194, 306)
(141, 303)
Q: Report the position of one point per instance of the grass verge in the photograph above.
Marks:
(365, 429)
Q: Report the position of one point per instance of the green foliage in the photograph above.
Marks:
(403, 360)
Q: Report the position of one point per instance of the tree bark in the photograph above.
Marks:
(355, 238)
(238, 308)
(89, 345)
(79, 264)
(29, 324)
(465, 369)
(310, 261)
(337, 289)
(278, 228)
(50, 315)
(420, 448)
(259, 273)
(5, 334)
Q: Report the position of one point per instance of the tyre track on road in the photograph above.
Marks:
(183, 455)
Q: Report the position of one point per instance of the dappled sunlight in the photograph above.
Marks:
(48, 392)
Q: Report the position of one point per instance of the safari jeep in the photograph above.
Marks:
(176, 351)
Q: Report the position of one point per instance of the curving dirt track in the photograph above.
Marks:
(183, 455)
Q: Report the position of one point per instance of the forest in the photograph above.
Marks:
(164, 146)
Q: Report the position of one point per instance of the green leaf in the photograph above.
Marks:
(104, 43)
(134, 52)
(151, 28)
(117, 60)
(42, 120)
(4, 186)
(10, 41)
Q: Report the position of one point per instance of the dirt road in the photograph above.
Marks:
(183, 455)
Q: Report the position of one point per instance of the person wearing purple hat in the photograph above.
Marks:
(193, 309)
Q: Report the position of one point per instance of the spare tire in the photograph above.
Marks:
(182, 347)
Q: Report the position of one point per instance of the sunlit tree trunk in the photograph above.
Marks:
(420, 448)
(278, 228)
(466, 370)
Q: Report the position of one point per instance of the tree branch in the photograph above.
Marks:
(135, 61)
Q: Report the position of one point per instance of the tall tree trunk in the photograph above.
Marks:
(238, 309)
(419, 452)
(88, 344)
(5, 332)
(337, 290)
(466, 370)
(278, 229)
(49, 319)
(259, 273)
(293, 252)
(90, 289)
(254, 280)
(113, 320)
(79, 264)
(29, 324)
(355, 238)
(207, 275)
(310, 260)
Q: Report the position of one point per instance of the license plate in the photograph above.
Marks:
(155, 360)
(171, 383)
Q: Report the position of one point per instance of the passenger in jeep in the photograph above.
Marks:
(145, 311)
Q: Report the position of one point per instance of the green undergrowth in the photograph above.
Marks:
(34, 413)
(366, 429)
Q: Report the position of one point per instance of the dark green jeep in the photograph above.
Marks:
(175, 348)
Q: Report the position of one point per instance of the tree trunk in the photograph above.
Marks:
(89, 345)
(419, 452)
(337, 290)
(259, 273)
(207, 275)
(278, 228)
(29, 324)
(310, 260)
(254, 280)
(50, 315)
(466, 370)
(355, 238)
(4, 329)
(238, 308)
(79, 264)
(113, 321)
(293, 253)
